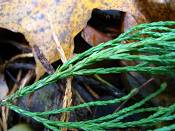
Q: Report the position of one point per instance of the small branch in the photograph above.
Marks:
(58, 45)
(67, 100)
(139, 88)
(59, 48)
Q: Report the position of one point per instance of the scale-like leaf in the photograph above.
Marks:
(69, 17)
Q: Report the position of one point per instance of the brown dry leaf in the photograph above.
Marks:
(94, 37)
(69, 17)
(149, 11)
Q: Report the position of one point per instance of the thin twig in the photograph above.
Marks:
(20, 46)
(103, 81)
(139, 88)
(82, 100)
(94, 94)
(1, 124)
(24, 55)
(19, 84)
(14, 88)
(4, 120)
(26, 66)
(58, 45)
(26, 79)
(67, 100)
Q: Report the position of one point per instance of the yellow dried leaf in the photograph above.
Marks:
(69, 17)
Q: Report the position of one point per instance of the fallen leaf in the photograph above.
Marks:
(149, 11)
(93, 36)
(69, 17)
